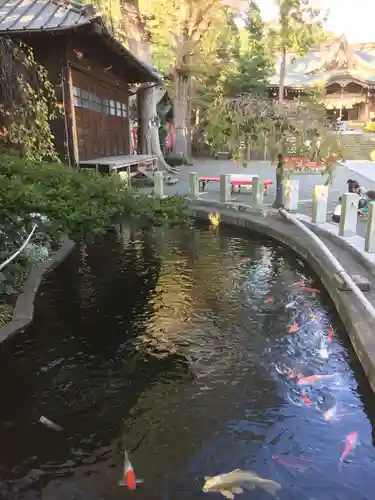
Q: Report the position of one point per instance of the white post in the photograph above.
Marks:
(370, 229)
(258, 190)
(349, 214)
(193, 185)
(158, 184)
(291, 194)
(319, 208)
(225, 188)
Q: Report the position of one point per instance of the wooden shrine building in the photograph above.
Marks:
(91, 72)
(346, 73)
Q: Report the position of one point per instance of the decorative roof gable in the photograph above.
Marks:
(323, 64)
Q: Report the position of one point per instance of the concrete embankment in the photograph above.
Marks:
(23, 312)
(358, 322)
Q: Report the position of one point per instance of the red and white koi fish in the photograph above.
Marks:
(313, 379)
(300, 464)
(293, 328)
(244, 260)
(350, 444)
(298, 283)
(331, 334)
(129, 479)
(270, 300)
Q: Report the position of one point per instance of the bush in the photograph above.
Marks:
(77, 203)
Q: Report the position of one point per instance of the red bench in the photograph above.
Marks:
(234, 182)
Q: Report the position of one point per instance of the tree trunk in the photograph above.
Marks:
(147, 101)
(143, 122)
(279, 199)
(282, 74)
(180, 112)
(248, 149)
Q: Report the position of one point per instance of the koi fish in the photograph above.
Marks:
(312, 379)
(306, 400)
(331, 334)
(350, 445)
(291, 305)
(300, 464)
(244, 260)
(48, 423)
(298, 283)
(270, 300)
(323, 351)
(129, 479)
(232, 483)
(314, 291)
(293, 328)
(330, 414)
(214, 219)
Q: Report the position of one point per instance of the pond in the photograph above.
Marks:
(192, 348)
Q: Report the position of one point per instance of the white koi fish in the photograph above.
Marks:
(232, 483)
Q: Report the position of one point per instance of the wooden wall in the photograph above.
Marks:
(97, 128)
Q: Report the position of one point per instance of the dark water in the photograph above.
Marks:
(175, 342)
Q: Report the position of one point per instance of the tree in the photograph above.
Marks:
(252, 67)
(300, 125)
(299, 27)
(184, 42)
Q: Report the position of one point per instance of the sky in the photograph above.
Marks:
(354, 19)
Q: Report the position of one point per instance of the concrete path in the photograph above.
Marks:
(264, 169)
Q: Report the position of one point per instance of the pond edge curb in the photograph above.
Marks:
(23, 313)
(357, 322)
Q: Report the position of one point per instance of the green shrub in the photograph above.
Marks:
(77, 203)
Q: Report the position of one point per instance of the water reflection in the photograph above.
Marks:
(181, 336)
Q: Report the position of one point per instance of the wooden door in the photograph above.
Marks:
(102, 121)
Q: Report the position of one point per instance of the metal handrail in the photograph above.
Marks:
(22, 247)
(332, 259)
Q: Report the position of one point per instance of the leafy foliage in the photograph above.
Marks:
(301, 125)
(251, 66)
(29, 103)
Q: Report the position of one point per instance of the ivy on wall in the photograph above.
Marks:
(28, 103)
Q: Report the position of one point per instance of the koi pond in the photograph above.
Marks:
(201, 351)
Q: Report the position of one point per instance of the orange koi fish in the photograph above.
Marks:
(129, 479)
(244, 260)
(331, 334)
(293, 328)
(350, 445)
(306, 400)
(312, 379)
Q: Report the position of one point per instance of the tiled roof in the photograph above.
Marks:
(30, 16)
(43, 15)
(330, 61)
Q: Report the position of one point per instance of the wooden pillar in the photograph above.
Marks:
(69, 112)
